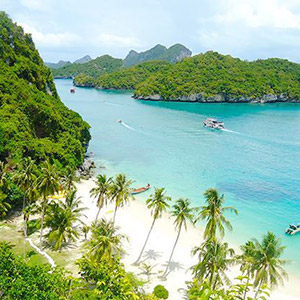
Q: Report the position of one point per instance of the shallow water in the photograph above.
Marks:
(254, 162)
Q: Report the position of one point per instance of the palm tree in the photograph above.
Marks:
(68, 180)
(85, 230)
(106, 242)
(48, 184)
(158, 203)
(213, 213)
(4, 205)
(214, 259)
(246, 260)
(121, 192)
(62, 218)
(183, 213)
(267, 263)
(101, 191)
(26, 179)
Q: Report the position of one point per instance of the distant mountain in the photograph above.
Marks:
(94, 68)
(57, 65)
(83, 60)
(173, 54)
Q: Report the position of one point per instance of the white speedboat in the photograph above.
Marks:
(292, 229)
(120, 121)
(213, 123)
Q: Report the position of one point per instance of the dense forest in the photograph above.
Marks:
(33, 121)
(208, 77)
(95, 67)
(125, 78)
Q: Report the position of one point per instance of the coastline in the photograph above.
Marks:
(135, 220)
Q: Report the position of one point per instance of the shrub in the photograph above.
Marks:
(161, 292)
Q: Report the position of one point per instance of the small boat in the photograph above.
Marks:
(292, 229)
(213, 123)
(72, 90)
(140, 190)
(120, 121)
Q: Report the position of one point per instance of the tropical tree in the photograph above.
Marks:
(183, 213)
(213, 213)
(214, 259)
(102, 191)
(121, 192)
(85, 230)
(68, 180)
(3, 173)
(26, 180)
(106, 242)
(158, 203)
(267, 262)
(62, 217)
(48, 184)
(246, 261)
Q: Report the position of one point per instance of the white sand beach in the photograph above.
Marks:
(135, 221)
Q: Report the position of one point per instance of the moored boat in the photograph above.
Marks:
(72, 90)
(292, 229)
(140, 190)
(213, 123)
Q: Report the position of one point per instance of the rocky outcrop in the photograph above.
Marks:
(220, 98)
(173, 54)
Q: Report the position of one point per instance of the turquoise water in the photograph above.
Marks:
(255, 163)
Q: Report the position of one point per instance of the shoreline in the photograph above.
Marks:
(135, 220)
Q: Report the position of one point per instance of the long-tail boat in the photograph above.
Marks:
(141, 189)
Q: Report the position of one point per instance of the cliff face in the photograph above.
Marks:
(173, 54)
(220, 98)
(33, 120)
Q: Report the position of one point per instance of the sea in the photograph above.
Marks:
(254, 162)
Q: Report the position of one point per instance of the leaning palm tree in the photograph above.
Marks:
(4, 205)
(47, 184)
(213, 213)
(102, 191)
(106, 242)
(62, 218)
(267, 262)
(3, 173)
(246, 261)
(183, 213)
(121, 192)
(214, 260)
(68, 180)
(158, 203)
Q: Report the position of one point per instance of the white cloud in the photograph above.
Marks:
(259, 13)
(51, 39)
(116, 40)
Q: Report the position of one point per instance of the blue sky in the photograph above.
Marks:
(249, 29)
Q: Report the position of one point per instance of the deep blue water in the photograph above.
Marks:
(256, 163)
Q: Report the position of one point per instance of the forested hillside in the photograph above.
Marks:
(33, 120)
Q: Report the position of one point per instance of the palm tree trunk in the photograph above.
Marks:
(114, 218)
(246, 289)
(166, 271)
(97, 215)
(42, 222)
(24, 227)
(140, 256)
(258, 289)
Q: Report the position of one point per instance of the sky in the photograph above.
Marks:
(248, 29)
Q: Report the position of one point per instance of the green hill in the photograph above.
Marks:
(94, 67)
(57, 65)
(174, 54)
(125, 78)
(212, 77)
(33, 120)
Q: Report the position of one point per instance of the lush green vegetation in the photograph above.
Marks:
(33, 120)
(129, 78)
(212, 74)
(94, 68)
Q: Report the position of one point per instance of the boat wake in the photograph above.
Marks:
(111, 103)
(232, 131)
(127, 126)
